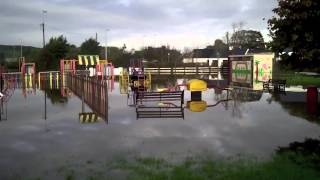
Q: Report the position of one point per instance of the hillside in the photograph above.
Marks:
(13, 51)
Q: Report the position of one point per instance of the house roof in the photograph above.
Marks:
(239, 51)
(209, 53)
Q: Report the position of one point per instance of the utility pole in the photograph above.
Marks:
(42, 25)
(106, 49)
(20, 48)
(96, 37)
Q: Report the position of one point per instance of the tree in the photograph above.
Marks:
(163, 56)
(247, 39)
(51, 54)
(116, 56)
(2, 59)
(295, 26)
(90, 47)
(73, 52)
(221, 48)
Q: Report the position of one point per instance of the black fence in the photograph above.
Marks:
(160, 104)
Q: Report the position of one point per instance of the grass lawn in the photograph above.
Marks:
(300, 79)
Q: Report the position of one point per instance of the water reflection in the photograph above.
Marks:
(57, 89)
(88, 117)
(229, 120)
(55, 96)
(295, 103)
(233, 96)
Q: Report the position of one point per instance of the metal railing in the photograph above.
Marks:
(92, 91)
(160, 104)
(186, 70)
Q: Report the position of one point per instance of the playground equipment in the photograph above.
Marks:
(139, 81)
(28, 73)
(50, 79)
(28, 69)
(196, 86)
(88, 64)
(134, 80)
(124, 80)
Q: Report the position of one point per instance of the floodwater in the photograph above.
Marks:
(249, 122)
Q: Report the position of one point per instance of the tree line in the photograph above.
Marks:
(57, 48)
(293, 29)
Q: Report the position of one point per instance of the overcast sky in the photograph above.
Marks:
(136, 23)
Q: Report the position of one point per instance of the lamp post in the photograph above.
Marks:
(43, 36)
(106, 49)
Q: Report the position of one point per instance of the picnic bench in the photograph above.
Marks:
(277, 84)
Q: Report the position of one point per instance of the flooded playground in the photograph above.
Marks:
(250, 123)
(58, 121)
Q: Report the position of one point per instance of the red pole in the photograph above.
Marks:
(312, 99)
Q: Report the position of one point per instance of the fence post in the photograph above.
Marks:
(45, 100)
(197, 69)
(106, 100)
(82, 93)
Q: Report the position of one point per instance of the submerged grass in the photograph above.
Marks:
(280, 167)
(297, 161)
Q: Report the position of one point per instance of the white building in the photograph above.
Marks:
(208, 56)
(216, 62)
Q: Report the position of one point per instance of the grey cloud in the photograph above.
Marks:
(80, 19)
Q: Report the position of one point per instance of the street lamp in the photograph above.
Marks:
(43, 37)
(106, 49)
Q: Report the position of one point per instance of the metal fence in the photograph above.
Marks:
(92, 91)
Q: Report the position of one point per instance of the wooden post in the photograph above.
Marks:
(197, 69)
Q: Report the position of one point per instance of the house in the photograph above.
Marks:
(207, 56)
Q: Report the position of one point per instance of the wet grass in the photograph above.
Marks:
(280, 167)
(298, 161)
(294, 79)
